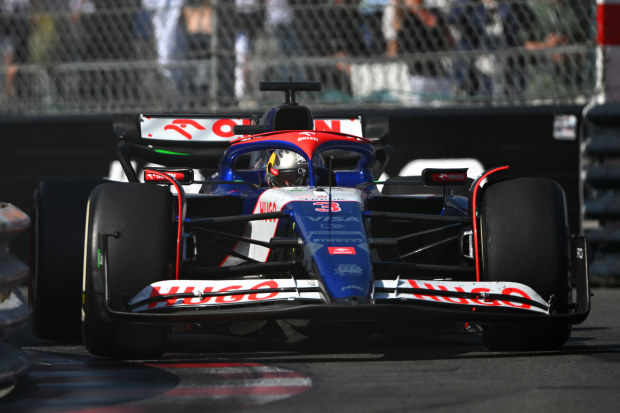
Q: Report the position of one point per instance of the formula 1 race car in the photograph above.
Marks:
(288, 222)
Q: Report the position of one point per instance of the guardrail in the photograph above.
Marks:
(14, 311)
(601, 160)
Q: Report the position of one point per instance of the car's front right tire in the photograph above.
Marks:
(524, 238)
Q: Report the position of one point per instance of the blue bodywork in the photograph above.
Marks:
(335, 246)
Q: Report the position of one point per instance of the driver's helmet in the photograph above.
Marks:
(286, 168)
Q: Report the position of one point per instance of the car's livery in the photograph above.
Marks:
(335, 248)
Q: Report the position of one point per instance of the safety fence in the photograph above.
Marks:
(91, 56)
(14, 311)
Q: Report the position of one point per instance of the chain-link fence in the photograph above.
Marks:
(94, 56)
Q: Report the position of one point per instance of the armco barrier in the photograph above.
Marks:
(601, 157)
(534, 141)
(14, 311)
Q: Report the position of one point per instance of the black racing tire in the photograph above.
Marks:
(57, 247)
(141, 216)
(524, 238)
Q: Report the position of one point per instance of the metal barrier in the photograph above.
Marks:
(14, 311)
(601, 161)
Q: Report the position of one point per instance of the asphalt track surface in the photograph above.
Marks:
(427, 371)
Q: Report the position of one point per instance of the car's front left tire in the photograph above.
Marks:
(129, 244)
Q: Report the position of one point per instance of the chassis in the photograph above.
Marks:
(438, 247)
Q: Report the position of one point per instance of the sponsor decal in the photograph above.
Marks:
(482, 300)
(214, 129)
(188, 293)
(351, 126)
(323, 126)
(268, 206)
(353, 287)
(333, 226)
(479, 294)
(449, 177)
(201, 129)
(348, 269)
(200, 296)
(565, 126)
(431, 176)
(341, 250)
(307, 136)
(179, 126)
(333, 219)
(224, 127)
(179, 176)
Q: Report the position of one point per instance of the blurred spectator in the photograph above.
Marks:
(58, 34)
(141, 31)
(517, 24)
(371, 25)
(75, 26)
(42, 33)
(44, 46)
(342, 41)
(470, 19)
(558, 26)
(43, 40)
(536, 27)
(416, 32)
(115, 29)
(280, 24)
(75, 36)
(250, 21)
(251, 17)
(15, 30)
(169, 36)
(199, 31)
(198, 20)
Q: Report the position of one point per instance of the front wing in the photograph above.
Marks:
(402, 298)
(186, 294)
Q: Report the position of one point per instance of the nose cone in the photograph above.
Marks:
(335, 248)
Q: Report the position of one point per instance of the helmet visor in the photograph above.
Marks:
(290, 177)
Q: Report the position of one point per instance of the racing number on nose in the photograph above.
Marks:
(325, 206)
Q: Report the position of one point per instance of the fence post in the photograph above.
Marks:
(608, 39)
